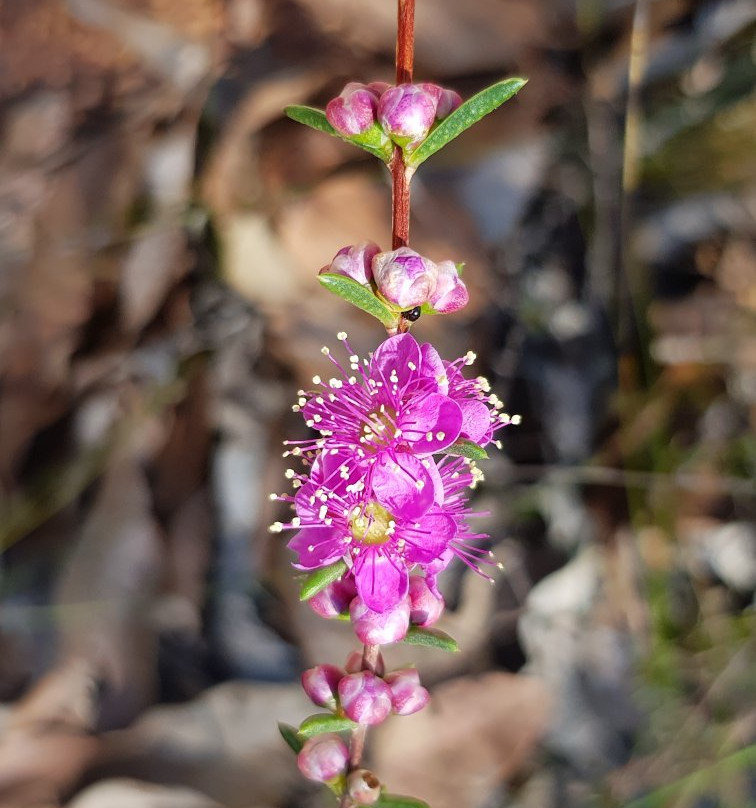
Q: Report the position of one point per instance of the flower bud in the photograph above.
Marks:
(363, 787)
(380, 628)
(354, 262)
(354, 663)
(354, 110)
(450, 293)
(404, 278)
(334, 599)
(448, 101)
(407, 112)
(323, 757)
(425, 606)
(365, 698)
(321, 684)
(407, 694)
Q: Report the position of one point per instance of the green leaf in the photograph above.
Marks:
(466, 448)
(290, 735)
(324, 722)
(316, 119)
(431, 638)
(470, 112)
(358, 295)
(397, 801)
(319, 580)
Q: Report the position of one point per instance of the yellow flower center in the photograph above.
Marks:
(373, 525)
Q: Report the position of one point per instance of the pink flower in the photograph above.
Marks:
(404, 278)
(365, 698)
(380, 628)
(320, 684)
(450, 293)
(425, 605)
(354, 110)
(354, 262)
(323, 758)
(407, 112)
(407, 694)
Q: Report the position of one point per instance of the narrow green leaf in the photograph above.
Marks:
(324, 722)
(358, 295)
(470, 112)
(430, 638)
(290, 735)
(466, 448)
(316, 119)
(397, 801)
(319, 580)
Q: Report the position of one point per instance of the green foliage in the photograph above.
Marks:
(431, 638)
(469, 113)
(319, 580)
(358, 295)
(398, 801)
(325, 722)
(291, 736)
(466, 448)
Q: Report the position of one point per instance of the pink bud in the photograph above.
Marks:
(407, 694)
(321, 684)
(404, 278)
(425, 605)
(380, 628)
(447, 103)
(407, 112)
(363, 787)
(365, 698)
(354, 663)
(354, 262)
(450, 293)
(323, 757)
(353, 111)
(334, 599)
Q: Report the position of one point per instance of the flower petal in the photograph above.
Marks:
(476, 421)
(397, 354)
(430, 422)
(381, 581)
(403, 485)
(316, 547)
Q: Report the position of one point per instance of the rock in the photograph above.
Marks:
(729, 551)
(126, 793)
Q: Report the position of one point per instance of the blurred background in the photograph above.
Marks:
(161, 226)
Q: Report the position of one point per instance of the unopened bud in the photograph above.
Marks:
(363, 787)
(321, 684)
(354, 663)
(407, 694)
(334, 599)
(354, 262)
(425, 605)
(404, 278)
(448, 101)
(380, 628)
(407, 112)
(365, 698)
(323, 758)
(450, 293)
(354, 110)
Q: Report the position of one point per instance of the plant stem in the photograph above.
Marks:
(400, 177)
(400, 174)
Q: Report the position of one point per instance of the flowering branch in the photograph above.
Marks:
(381, 506)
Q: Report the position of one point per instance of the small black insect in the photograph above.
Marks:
(412, 314)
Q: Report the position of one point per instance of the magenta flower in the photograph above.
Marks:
(407, 112)
(450, 293)
(355, 262)
(323, 758)
(404, 278)
(354, 110)
(365, 698)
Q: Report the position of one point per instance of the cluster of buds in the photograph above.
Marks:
(402, 278)
(377, 112)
